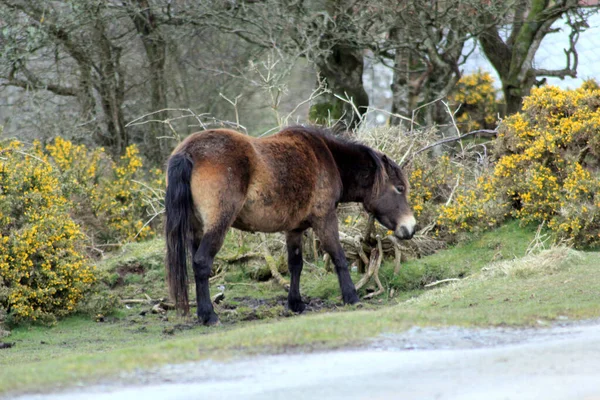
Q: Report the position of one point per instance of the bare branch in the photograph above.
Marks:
(33, 82)
(453, 139)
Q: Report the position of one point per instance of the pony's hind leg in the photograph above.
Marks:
(294, 250)
(203, 258)
(217, 201)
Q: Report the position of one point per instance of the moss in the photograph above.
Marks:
(323, 113)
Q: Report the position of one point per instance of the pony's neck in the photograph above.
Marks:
(356, 168)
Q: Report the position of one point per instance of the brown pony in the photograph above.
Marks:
(288, 182)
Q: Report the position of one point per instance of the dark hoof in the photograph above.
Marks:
(351, 299)
(209, 320)
(296, 306)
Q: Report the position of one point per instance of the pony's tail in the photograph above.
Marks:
(178, 208)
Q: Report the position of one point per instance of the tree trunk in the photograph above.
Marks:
(513, 99)
(406, 87)
(87, 103)
(110, 86)
(406, 82)
(343, 71)
(155, 47)
(513, 59)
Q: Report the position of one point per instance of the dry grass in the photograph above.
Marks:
(545, 262)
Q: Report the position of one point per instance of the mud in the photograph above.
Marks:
(250, 308)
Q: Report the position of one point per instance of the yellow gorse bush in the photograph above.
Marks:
(431, 181)
(42, 265)
(55, 199)
(547, 168)
(477, 98)
(113, 204)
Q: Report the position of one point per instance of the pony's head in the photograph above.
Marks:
(388, 200)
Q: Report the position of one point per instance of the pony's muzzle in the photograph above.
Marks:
(406, 228)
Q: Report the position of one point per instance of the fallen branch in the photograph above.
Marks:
(397, 254)
(275, 272)
(239, 257)
(442, 281)
(166, 305)
(140, 301)
(273, 266)
(379, 258)
(218, 276)
(373, 270)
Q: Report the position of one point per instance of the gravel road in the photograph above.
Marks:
(559, 362)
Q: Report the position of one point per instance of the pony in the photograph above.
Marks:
(287, 182)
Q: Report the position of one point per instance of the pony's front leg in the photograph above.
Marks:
(327, 232)
(294, 250)
(203, 260)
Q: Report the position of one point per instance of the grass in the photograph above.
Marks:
(506, 292)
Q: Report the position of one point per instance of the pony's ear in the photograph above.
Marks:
(380, 171)
(386, 163)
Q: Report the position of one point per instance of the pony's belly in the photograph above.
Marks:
(258, 218)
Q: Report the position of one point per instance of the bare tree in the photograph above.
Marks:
(85, 57)
(422, 41)
(118, 60)
(512, 54)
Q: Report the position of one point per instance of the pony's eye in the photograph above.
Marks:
(399, 189)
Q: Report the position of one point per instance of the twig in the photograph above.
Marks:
(391, 114)
(376, 256)
(539, 241)
(453, 190)
(314, 246)
(348, 100)
(452, 114)
(145, 225)
(319, 91)
(234, 104)
(416, 110)
(30, 155)
(361, 252)
(453, 139)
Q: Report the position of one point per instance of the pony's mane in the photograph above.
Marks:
(380, 175)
